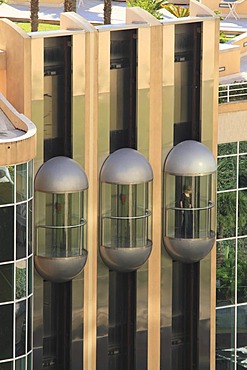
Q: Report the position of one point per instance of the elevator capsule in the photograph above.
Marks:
(190, 192)
(126, 179)
(60, 205)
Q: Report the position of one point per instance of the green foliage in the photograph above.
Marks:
(151, 6)
(178, 11)
(20, 283)
(225, 272)
(227, 173)
(227, 148)
(226, 214)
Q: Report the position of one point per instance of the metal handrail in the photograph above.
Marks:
(232, 92)
(62, 227)
(147, 214)
(211, 205)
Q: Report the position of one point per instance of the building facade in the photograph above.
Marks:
(138, 89)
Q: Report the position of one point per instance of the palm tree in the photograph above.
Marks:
(69, 5)
(34, 15)
(107, 11)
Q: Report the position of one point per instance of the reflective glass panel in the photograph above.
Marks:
(227, 173)
(225, 272)
(6, 366)
(6, 185)
(20, 364)
(242, 179)
(6, 332)
(190, 206)
(30, 227)
(225, 339)
(242, 212)
(21, 279)
(7, 233)
(125, 215)
(29, 362)
(21, 226)
(242, 337)
(30, 179)
(226, 215)
(227, 148)
(6, 285)
(29, 325)
(243, 147)
(21, 182)
(30, 275)
(242, 270)
(20, 328)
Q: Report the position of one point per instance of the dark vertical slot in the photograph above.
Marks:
(57, 97)
(186, 277)
(57, 308)
(122, 312)
(122, 286)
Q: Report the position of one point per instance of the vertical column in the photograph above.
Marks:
(155, 158)
(78, 97)
(37, 96)
(209, 137)
(37, 116)
(103, 152)
(91, 168)
(143, 129)
(167, 144)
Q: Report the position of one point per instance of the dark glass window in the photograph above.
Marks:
(242, 177)
(6, 332)
(226, 149)
(225, 339)
(7, 234)
(20, 328)
(226, 215)
(30, 179)
(241, 336)
(21, 225)
(29, 325)
(6, 366)
(227, 173)
(6, 185)
(225, 272)
(30, 275)
(21, 182)
(242, 270)
(30, 227)
(29, 362)
(20, 364)
(242, 212)
(6, 278)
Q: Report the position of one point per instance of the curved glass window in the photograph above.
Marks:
(16, 265)
(7, 182)
(125, 215)
(61, 233)
(189, 204)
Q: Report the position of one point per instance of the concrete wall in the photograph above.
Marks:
(232, 122)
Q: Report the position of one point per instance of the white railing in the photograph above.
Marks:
(232, 92)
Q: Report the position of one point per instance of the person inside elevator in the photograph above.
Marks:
(185, 203)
